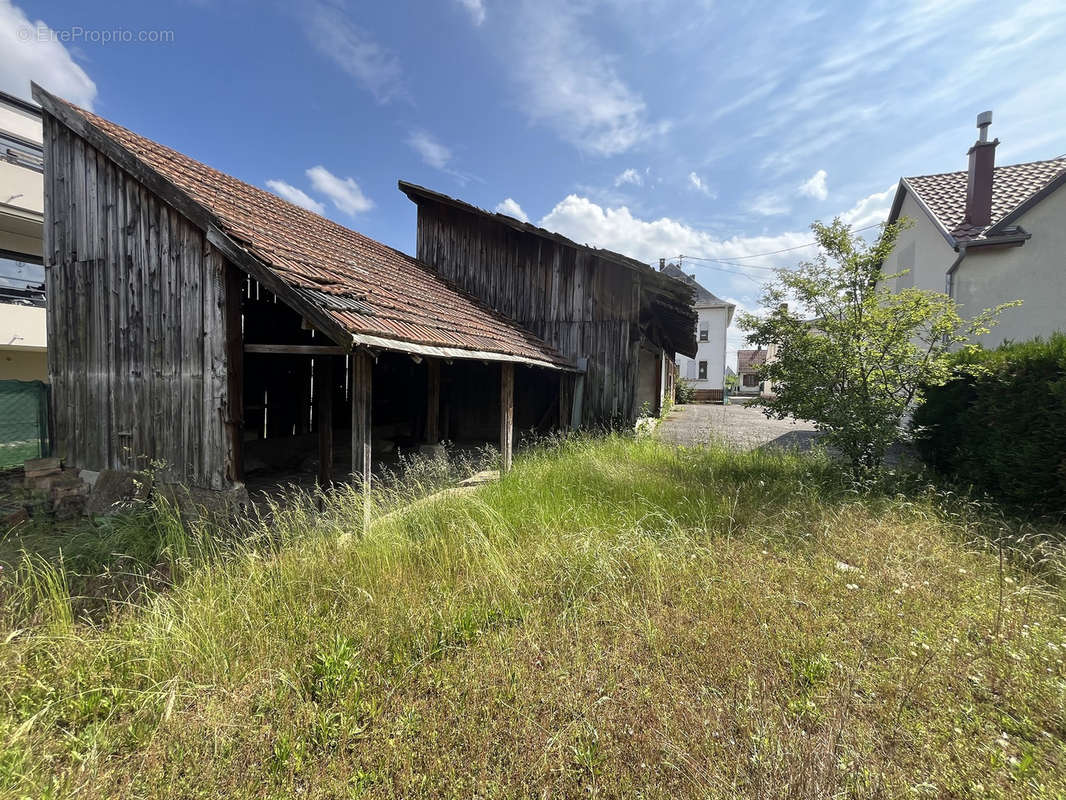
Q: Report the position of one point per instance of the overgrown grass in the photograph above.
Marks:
(614, 618)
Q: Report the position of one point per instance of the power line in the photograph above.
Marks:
(768, 253)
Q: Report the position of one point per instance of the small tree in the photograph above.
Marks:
(856, 358)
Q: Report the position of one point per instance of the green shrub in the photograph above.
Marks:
(684, 391)
(1000, 425)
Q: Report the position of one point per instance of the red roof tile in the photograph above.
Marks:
(1012, 185)
(368, 288)
(747, 360)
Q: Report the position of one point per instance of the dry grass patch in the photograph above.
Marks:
(615, 618)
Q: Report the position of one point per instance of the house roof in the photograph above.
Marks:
(704, 297)
(747, 360)
(359, 290)
(1015, 189)
(669, 299)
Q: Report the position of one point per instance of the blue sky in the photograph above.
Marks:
(655, 128)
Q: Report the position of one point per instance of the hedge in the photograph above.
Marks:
(1003, 429)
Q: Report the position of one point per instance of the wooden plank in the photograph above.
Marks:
(234, 415)
(296, 349)
(506, 414)
(432, 400)
(362, 367)
(323, 367)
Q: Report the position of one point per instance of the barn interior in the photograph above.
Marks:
(296, 399)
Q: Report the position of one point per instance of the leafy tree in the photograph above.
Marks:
(852, 355)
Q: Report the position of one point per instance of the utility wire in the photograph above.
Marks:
(733, 261)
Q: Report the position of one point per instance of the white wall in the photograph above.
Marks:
(923, 248)
(712, 351)
(22, 343)
(1034, 273)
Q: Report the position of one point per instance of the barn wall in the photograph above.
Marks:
(136, 324)
(575, 301)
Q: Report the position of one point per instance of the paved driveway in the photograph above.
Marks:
(738, 425)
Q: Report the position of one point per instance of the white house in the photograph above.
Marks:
(22, 314)
(988, 235)
(706, 372)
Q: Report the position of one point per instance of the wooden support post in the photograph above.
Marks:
(506, 414)
(324, 413)
(432, 401)
(566, 400)
(362, 372)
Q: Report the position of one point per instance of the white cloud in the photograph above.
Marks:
(572, 86)
(343, 192)
(432, 152)
(373, 67)
(815, 186)
(871, 210)
(768, 204)
(629, 176)
(295, 196)
(697, 183)
(476, 8)
(511, 208)
(649, 240)
(31, 54)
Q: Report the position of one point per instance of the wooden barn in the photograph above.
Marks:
(207, 327)
(622, 320)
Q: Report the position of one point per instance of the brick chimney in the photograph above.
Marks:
(979, 181)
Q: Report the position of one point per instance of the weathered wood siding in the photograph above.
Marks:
(581, 304)
(137, 350)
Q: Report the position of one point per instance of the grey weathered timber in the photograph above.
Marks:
(296, 349)
(323, 367)
(432, 400)
(506, 415)
(362, 367)
(137, 320)
(585, 303)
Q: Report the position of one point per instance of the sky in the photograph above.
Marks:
(712, 130)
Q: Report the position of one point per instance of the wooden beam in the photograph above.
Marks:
(324, 412)
(361, 379)
(296, 349)
(506, 414)
(432, 401)
(566, 400)
(234, 410)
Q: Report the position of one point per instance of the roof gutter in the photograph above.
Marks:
(962, 248)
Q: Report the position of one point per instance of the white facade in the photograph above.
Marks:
(1033, 272)
(707, 369)
(22, 321)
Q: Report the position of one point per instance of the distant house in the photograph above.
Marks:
(988, 235)
(748, 363)
(706, 370)
(23, 347)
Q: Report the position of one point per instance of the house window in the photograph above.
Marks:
(703, 370)
(704, 334)
(751, 379)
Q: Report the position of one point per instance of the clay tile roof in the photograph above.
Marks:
(1012, 186)
(747, 360)
(379, 295)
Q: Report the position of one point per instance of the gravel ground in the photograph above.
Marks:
(737, 424)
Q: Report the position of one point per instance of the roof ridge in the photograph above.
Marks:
(999, 166)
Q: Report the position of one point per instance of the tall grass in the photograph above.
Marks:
(614, 617)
